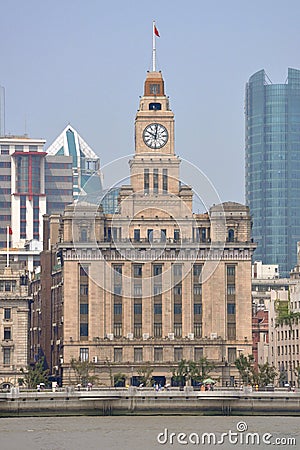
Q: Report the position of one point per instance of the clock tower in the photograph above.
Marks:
(155, 167)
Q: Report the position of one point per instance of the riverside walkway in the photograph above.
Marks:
(139, 401)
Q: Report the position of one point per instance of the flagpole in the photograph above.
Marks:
(153, 48)
(7, 246)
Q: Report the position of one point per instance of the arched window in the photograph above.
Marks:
(230, 235)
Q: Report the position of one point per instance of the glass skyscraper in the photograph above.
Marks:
(273, 167)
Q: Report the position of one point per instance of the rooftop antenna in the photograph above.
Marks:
(2, 111)
(154, 34)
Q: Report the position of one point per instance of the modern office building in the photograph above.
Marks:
(35, 182)
(273, 167)
(85, 163)
(153, 283)
(31, 184)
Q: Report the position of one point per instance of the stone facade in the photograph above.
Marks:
(154, 283)
(284, 334)
(14, 324)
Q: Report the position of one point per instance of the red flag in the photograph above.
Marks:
(9, 230)
(156, 31)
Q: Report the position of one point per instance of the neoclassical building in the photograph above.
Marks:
(154, 283)
(15, 303)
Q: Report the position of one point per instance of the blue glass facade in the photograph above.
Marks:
(273, 167)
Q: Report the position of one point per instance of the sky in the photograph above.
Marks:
(85, 62)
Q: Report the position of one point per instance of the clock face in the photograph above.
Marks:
(155, 135)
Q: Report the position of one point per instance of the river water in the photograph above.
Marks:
(148, 432)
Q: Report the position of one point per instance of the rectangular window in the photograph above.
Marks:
(157, 269)
(118, 290)
(84, 308)
(138, 354)
(137, 235)
(197, 290)
(197, 308)
(163, 235)
(10, 286)
(118, 329)
(146, 181)
(150, 235)
(231, 289)
(7, 333)
(7, 313)
(84, 330)
(198, 329)
(6, 356)
(178, 354)
(231, 331)
(155, 181)
(84, 289)
(137, 330)
(230, 271)
(117, 309)
(177, 270)
(138, 308)
(230, 308)
(231, 354)
(157, 329)
(178, 290)
(118, 354)
(158, 308)
(84, 271)
(198, 353)
(177, 308)
(176, 235)
(165, 180)
(158, 354)
(138, 290)
(84, 354)
(178, 329)
(157, 289)
(197, 269)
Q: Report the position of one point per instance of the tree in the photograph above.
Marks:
(205, 367)
(266, 374)
(261, 375)
(82, 371)
(145, 375)
(245, 366)
(197, 371)
(180, 372)
(35, 374)
(297, 373)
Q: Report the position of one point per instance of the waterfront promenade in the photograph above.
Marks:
(135, 401)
